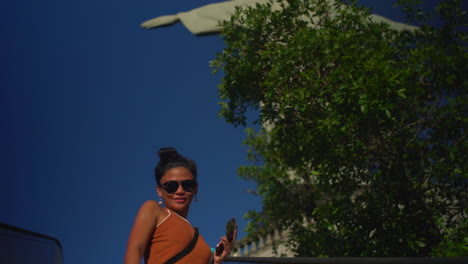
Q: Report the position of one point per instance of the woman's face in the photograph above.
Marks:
(173, 193)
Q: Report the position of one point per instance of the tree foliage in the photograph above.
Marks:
(362, 150)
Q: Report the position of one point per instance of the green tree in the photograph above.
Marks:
(362, 145)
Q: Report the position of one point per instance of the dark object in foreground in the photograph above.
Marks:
(349, 260)
(22, 246)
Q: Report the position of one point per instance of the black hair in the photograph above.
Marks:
(169, 158)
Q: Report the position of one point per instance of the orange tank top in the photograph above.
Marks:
(170, 237)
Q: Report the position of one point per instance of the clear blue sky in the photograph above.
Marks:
(87, 98)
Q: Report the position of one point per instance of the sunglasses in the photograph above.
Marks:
(173, 186)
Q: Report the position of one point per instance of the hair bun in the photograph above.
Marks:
(168, 154)
(169, 158)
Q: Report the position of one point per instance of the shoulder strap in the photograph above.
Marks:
(186, 250)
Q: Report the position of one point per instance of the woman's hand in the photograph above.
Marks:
(228, 246)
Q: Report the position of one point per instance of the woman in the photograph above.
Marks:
(158, 233)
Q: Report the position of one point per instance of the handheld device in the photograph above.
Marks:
(230, 228)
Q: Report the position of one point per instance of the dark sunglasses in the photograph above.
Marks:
(173, 186)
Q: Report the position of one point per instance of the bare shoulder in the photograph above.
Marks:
(150, 204)
(151, 207)
(144, 225)
(149, 214)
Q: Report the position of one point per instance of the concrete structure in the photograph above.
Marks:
(263, 247)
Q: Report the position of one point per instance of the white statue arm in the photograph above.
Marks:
(206, 19)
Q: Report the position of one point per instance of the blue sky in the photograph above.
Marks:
(87, 98)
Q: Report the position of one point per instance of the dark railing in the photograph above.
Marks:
(348, 260)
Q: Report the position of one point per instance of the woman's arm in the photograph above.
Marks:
(143, 227)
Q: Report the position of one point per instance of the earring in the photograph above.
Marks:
(196, 198)
(160, 201)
